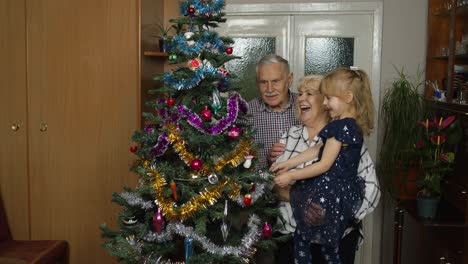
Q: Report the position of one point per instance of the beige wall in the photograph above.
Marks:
(403, 44)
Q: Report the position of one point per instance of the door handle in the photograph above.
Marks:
(15, 126)
(43, 127)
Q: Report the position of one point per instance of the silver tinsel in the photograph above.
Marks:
(133, 200)
(259, 191)
(244, 250)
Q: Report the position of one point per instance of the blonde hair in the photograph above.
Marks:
(343, 80)
(306, 81)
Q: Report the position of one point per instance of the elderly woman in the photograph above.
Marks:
(311, 111)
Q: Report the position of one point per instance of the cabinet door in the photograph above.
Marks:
(83, 81)
(13, 117)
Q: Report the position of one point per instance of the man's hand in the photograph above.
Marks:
(281, 167)
(275, 151)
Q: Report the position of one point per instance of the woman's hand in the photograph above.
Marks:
(283, 179)
(280, 167)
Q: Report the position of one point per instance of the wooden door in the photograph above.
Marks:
(83, 88)
(13, 117)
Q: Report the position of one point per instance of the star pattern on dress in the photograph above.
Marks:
(333, 195)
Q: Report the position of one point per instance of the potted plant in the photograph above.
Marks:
(435, 159)
(164, 34)
(402, 107)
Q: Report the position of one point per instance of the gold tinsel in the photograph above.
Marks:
(201, 201)
(234, 159)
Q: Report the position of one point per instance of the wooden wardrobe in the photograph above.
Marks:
(69, 103)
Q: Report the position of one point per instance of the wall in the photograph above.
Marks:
(400, 48)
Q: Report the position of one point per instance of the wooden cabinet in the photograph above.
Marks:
(69, 103)
(447, 62)
(447, 47)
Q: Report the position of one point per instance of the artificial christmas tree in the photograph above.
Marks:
(199, 198)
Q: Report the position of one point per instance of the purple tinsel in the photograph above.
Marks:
(234, 104)
(161, 146)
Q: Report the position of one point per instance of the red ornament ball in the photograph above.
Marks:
(191, 10)
(133, 149)
(234, 132)
(206, 114)
(196, 164)
(247, 200)
(171, 101)
(229, 50)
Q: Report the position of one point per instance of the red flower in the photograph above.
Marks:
(438, 139)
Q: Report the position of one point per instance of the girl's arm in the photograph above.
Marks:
(303, 157)
(330, 153)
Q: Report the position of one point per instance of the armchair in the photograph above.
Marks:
(29, 251)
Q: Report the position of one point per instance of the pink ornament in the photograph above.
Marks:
(206, 114)
(158, 221)
(266, 233)
(196, 164)
(234, 132)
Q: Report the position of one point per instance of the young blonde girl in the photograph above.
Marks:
(330, 190)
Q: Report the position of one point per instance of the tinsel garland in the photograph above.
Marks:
(133, 200)
(203, 7)
(234, 159)
(245, 249)
(234, 104)
(161, 146)
(203, 200)
(209, 39)
(259, 191)
(188, 83)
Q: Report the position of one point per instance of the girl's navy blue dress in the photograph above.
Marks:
(324, 205)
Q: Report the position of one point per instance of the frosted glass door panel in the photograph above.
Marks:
(322, 55)
(250, 50)
(254, 36)
(324, 42)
